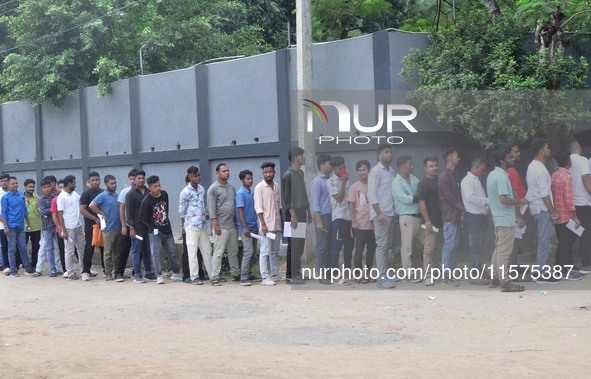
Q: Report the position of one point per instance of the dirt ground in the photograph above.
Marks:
(53, 328)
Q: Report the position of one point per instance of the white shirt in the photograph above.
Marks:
(339, 210)
(473, 195)
(538, 186)
(69, 203)
(579, 168)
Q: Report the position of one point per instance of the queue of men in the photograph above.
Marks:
(356, 219)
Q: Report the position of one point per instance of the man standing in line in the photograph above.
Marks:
(502, 207)
(267, 204)
(247, 223)
(124, 226)
(33, 232)
(4, 240)
(582, 198)
(154, 213)
(297, 207)
(14, 215)
(322, 211)
(406, 203)
(48, 229)
(338, 188)
(381, 212)
(138, 232)
(360, 222)
(70, 223)
(221, 207)
(90, 218)
(452, 210)
(193, 212)
(476, 204)
(518, 194)
(539, 194)
(428, 195)
(107, 206)
(58, 226)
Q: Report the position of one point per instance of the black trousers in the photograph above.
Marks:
(89, 250)
(35, 237)
(584, 215)
(121, 263)
(363, 239)
(566, 240)
(295, 247)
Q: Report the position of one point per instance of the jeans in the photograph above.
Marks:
(363, 239)
(140, 251)
(49, 239)
(270, 248)
(5, 258)
(198, 243)
(323, 242)
(17, 237)
(544, 223)
(450, 246)
(76, 242)
(295, 247)
(584, 215)
(157, 241)
(341, 236)
(227, 240)
(35, 237)
(476, 225)
(249, 246)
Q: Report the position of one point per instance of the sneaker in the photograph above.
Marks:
(14, 274)
(450, 283)
(572, 276)
(276, 278)
(52, 274)
(187, 280)
(73, 277)
(254, 278)
(344, 282)
(585, 270)
(296, 281)
(159, 280)
(386, 283)
(246, 283)
(236, 278)
(108, 277)
(93, 273)
(36, 274)
(176, 277)
(65, 275)
(222, 280)
(216, 283)
(151, 277)
(30, 271)
(550, 280)
(197, 282)
(267, 282)
(429, 281)
(85, 277)
(119, 278)
(6, 271)
(138, 279)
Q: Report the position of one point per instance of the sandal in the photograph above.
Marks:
(512, 287)
(216, 283)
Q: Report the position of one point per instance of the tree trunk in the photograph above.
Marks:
(548, 43)
(493, 8)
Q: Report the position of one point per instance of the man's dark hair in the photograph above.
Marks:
(51, 178)
(60, 181)
(12, 178)
(571, 143)
(537, 145)
(243, 174)
(268, 164)
(562, 158)
(501, 153)
(152, 179)
(193, 170)
(93, 174)
(4, 176)
(479, 161)
(450, 150)
(322, 159)
(28, 181)
(402, 160)
(108, 178)
(45, 182)
(361, 163)
(432, 158)
(294, 152)
(132, 173)
(337, 161)
(140, 172)
(219, 166)
(383, 147)
(187, 179)
(69, 179)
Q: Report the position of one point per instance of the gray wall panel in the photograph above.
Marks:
(61, 129)
(168, 102)
(18, 132)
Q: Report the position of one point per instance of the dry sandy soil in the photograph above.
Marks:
(54, 328)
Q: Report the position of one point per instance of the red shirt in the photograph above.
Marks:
(562, 192)
(517, 185)
(53, 209)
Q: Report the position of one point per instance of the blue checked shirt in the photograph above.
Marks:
(192, 207)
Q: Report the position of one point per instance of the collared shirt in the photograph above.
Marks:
(294, 189)
(473, 195)
(221, 204)
(498, 184)
(538, 186)
(579, 168)
(44, 208)
(192, 207)
(339, 210)
(133, 202)
(245, 200)
(320, 199)
(268, 202)
(358, 196)
(403, 194)
(449, 196)
(69, 204)
(379, 190)
(108, 203)
(428, 191)
(34, 216)
(14, 209)
(562, 192)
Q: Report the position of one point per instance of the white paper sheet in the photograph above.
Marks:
(571, 225)
(299, 232)
(519, 232)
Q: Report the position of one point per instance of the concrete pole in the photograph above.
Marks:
(304, 87)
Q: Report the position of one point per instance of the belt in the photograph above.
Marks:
(413, 215)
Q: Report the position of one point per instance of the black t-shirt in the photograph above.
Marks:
(87, 198)
(154, 213)
(427, 191)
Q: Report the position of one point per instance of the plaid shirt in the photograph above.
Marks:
(44, 206)
(562, 191)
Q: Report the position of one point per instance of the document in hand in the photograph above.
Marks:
(299, 232)
(571, 224)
